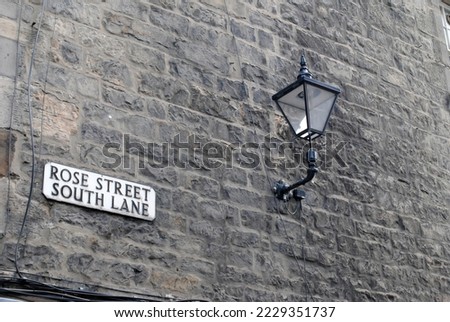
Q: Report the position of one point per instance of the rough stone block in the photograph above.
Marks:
(245, 239)
(195, 266)
(9, 28)
(77, 10)
(171, 282)
(206, 102)
(43, 258)
(243, 31)
(5, 151)
(146, 57)
(198, 123)
(164, 88)
(257, 221)
(112, 71)
(218, 212)
(393, 76)
(298, 15)
(95, 270)
(102, 113)
(203, 14)
(236, 89)
(100, 134)
(68, 53)
(131, 8)
(186, 203)
(242, 196)
(265, 40)
(70, 81)
(353, 246)
(214, 3)
(209, 231)
(6, 90)
(167, 4)
(188, 72)
(240, 258)
(59, 119)
(206, 57)
(203, 185)
(8, 57)
(122, 99)
(166, 175)
(9, 9)
(169, 21)
(229, 274)
(139, 126)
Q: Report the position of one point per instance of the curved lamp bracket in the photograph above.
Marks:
(284, 191)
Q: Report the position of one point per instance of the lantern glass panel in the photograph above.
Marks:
(293, 106)
(320, 102)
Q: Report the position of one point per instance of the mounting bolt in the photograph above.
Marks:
(299, 195)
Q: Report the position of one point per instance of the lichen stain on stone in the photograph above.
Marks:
(57, 119)
(174, 283)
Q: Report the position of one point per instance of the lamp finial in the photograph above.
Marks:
(304, 72)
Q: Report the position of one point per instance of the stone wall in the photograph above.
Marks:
(177, 95)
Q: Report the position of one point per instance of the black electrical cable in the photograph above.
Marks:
(30, 286)
(11, 115)
(55, 294)
(12, 286)
(49, 292)
(297, 262)
(43, 294)
(21, 283)
(308, 290)
(30, 116)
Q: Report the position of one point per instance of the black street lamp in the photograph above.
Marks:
(306, 104)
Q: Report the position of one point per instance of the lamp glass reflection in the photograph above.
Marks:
(320, 103)
(293, 107)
